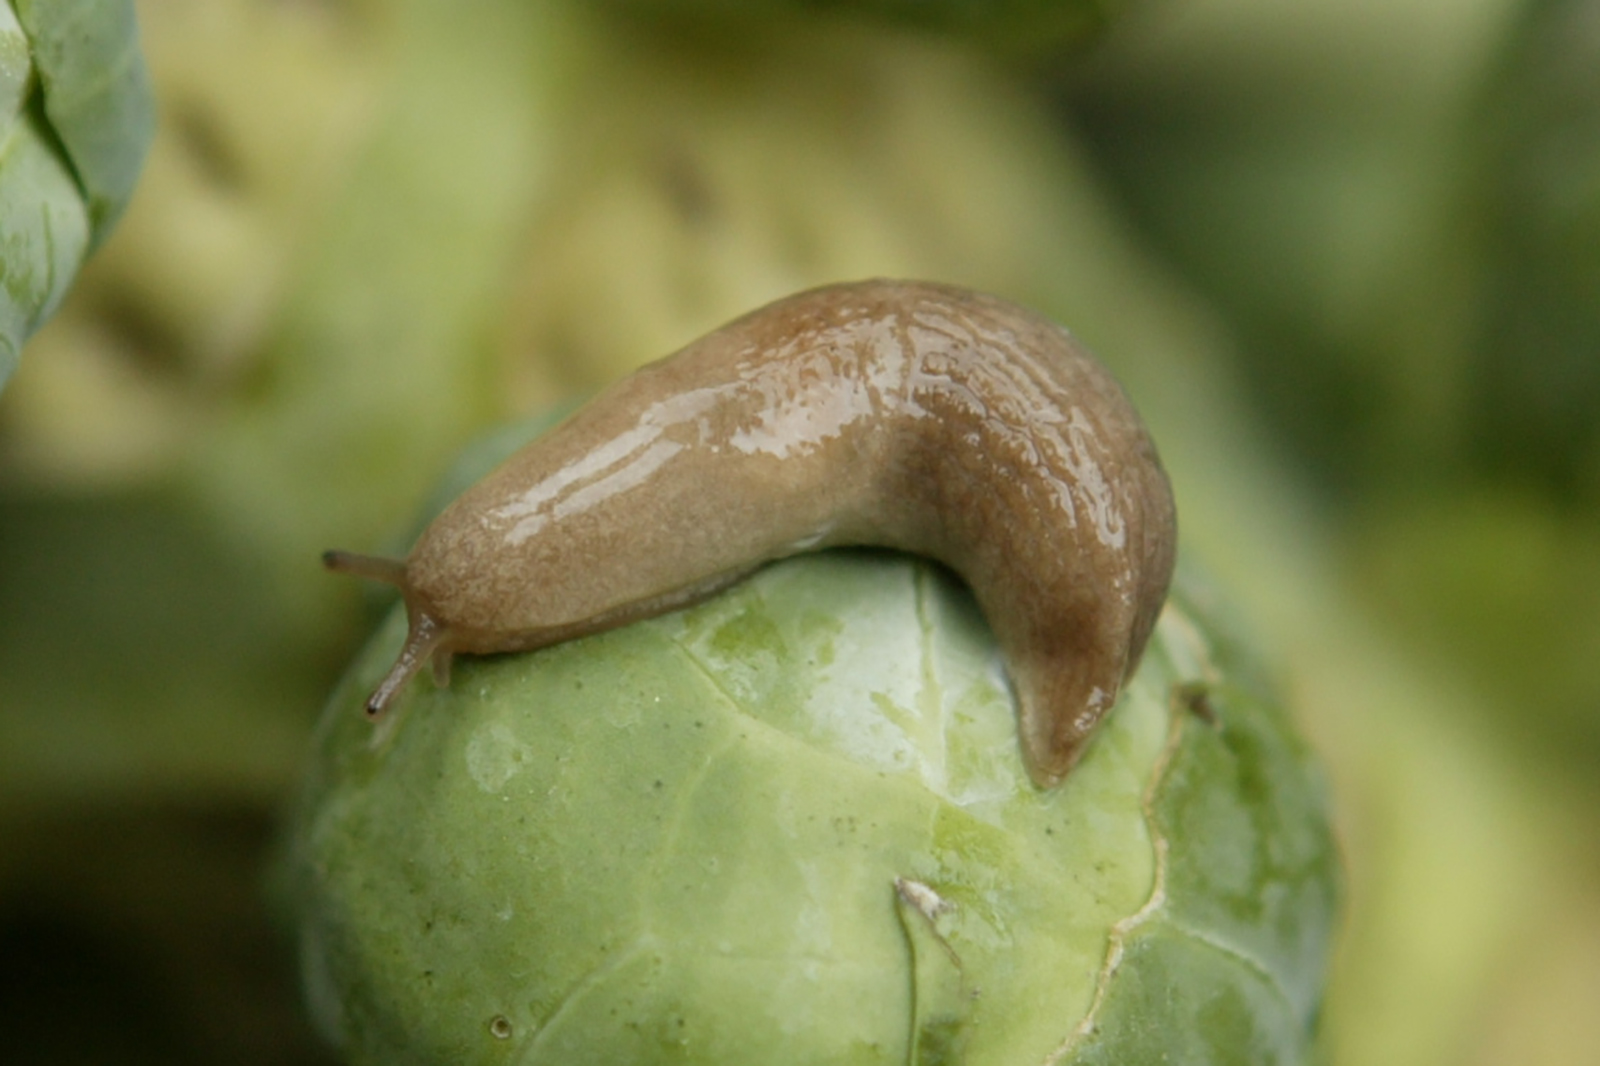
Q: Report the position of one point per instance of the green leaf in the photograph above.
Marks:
(1234, 952)
(76, 115)
(16, 67)
(97, 95)
(44, 232)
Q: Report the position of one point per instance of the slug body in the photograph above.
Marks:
(908, 415)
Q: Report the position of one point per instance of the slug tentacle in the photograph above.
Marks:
(424, 640)
(390, 571)
(901, 414)
(425, 636)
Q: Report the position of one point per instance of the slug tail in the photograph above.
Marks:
(1054, 741)
(1062, 696)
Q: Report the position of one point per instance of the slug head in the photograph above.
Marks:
(425, 637)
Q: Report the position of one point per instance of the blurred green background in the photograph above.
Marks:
(1345, 256)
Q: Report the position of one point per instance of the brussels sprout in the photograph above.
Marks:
(792, 824)
(77, 113)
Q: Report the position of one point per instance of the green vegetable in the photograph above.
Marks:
(77, 113)
(792, 825)
(96, 94)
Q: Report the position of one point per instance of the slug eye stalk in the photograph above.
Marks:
(424, 638)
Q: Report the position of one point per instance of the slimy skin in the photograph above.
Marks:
(906, 415)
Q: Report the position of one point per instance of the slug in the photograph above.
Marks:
(907, 415)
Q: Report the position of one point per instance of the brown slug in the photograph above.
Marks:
(908, 415)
